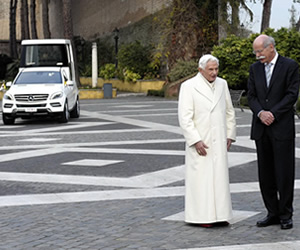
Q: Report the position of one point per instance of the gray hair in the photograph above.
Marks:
(205, 59)
(269, 40)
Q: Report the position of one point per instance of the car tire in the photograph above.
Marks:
(7, 120)
(65, 116)
(75, 113)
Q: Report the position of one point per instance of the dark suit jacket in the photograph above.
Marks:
(279, 98)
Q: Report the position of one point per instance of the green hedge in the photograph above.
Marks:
(182, 69)
(235, 54)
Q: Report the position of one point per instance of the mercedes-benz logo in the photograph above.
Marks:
(30, 98)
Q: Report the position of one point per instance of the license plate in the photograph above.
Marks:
(30, 110)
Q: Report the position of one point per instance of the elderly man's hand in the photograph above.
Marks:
(229, 142)
(266, 117)
(200, 148)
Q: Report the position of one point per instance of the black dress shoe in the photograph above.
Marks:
(286, 224)
(221, 224)
(268, 221)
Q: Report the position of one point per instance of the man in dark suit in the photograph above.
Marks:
(273, 88)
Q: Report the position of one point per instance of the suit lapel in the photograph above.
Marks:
(218, 93)
(202, 88)
(262, 81)
(276, 71)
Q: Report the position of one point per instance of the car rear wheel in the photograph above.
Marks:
(65, 114)
(75, 113)
(7, 120)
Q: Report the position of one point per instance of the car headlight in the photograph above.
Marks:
(8, 96)
(57, 95)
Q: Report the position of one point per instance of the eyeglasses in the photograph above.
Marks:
(259, 51)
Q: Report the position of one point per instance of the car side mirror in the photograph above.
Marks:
(8, 84)
(70, 83)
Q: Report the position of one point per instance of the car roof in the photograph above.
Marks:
(40, 69)
(45, 41)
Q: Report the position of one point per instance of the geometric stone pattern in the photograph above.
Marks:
(114, 179)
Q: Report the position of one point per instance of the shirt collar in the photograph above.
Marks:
(274, 59)
(211, 83)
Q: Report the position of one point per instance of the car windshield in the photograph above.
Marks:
(44, 55)
(40, 77)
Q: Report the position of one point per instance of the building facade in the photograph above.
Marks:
(91, 19)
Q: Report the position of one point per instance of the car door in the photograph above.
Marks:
(67, 90)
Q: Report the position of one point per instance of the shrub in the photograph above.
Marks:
(4, 61)
(235, 54)
(12, 69)
(152, 92)
(131, 76)
(85, 69)
(107, 71)
(235, 57)
(287, 42)
(138, 59)
(182, 69)
(84, 54)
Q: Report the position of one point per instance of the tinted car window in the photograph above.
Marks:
(44, 55)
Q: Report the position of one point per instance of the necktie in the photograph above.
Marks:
(268, 73)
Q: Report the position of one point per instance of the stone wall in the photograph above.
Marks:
(91, 19)
(94, 18)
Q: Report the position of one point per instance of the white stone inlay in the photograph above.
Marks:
(237, 216)
(40, 139)
(91, 162)
(132, 106)
(124, 194)
(291, 245)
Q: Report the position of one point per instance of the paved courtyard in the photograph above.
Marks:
(114, 179)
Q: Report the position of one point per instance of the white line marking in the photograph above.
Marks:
(125, 194)
(90, 144)
(29, 154)
(131, 106)
(291, 245)
(39, 199)
(40, 139)
(92, 162)
(113, 131)
(148, 180)
(145, 124)
(69, 126)
(237, 216)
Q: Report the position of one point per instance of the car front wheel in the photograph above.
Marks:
(65, 114)
(75, 113)
(7, 120)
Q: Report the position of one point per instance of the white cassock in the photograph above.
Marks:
(206, 114)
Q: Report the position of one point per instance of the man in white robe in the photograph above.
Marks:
(207, 118)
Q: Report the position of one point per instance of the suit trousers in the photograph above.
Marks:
(276, 171)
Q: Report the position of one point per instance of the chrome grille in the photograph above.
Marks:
(31, 105)
(31, 97)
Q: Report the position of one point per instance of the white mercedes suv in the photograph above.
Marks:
(41, 91)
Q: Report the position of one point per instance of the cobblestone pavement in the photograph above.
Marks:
(114, 179)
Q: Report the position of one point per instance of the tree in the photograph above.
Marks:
(293, 12)
(189, 29)
(191, 26)
(229, 16)
(235, 54)
(24, 20)
(12, 29)
(67, 19)
(33, 19)
(68, 32)
(265, 22)
(45, 19)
